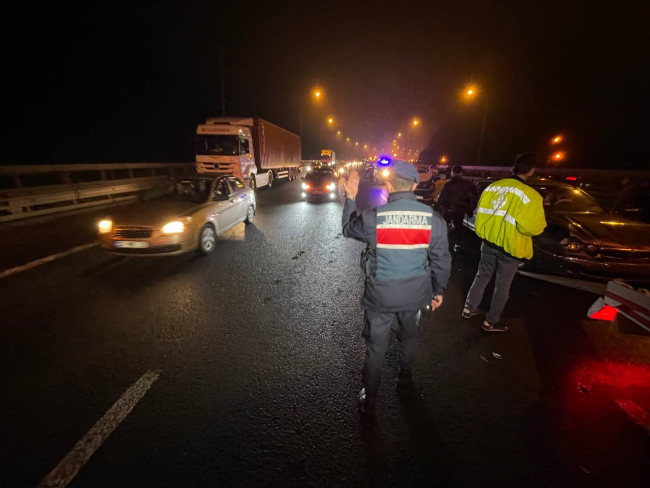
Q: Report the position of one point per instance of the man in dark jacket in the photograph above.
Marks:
(406, 263)
(458, 198)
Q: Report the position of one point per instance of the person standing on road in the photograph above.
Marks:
(457, 199)
(509, 213)
(406, 263)
(438, 185)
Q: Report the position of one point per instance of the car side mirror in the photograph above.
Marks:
(220, 197)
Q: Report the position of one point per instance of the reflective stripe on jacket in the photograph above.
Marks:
(508, 214)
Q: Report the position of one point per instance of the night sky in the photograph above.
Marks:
(110, 83)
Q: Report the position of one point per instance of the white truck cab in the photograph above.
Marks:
(225, 146)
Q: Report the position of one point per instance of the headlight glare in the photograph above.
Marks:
(305, 186)
(173, 228)
(105, 226)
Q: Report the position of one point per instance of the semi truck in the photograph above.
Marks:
(251, 149)
(328, 157)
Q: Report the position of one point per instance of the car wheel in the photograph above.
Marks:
(250, 215)
(252, 182)
(207, 240)
(270, 179)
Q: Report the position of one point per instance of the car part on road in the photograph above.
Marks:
(207, 239)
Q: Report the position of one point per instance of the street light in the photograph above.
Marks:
(415, 122)
(443, 159)
(330, 120)
(317, 93)
(338, 132)
(347, 139)
(556, 140)
(399, 134)
(558, 156)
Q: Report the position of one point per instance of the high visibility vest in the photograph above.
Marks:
(508, 214)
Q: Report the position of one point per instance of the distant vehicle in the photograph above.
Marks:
(426, 188)
(328, 157)
(250, 149)
(581, 239)
(319, 184)
(181, 216)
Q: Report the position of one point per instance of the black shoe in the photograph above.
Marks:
(467, 313)
(404, 380)
(498, 327)
(368, 403)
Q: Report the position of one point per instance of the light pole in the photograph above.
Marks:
(471, 92)
(317, 94)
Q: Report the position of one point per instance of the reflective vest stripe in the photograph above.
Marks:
(509, 189)
(499, 213)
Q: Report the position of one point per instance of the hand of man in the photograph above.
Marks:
(351, 185)
(436, 303)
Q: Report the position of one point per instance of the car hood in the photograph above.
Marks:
(153, 213)
(605, 230)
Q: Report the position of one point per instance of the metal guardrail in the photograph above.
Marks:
(70, 186)
(564, 172)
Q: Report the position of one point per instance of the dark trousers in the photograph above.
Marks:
(377, 332)
(506, 267)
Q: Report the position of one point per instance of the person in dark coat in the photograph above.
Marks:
(458, 198)
(406, 265)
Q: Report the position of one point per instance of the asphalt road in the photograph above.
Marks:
(242, 369)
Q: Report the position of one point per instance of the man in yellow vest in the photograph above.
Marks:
(509, 213)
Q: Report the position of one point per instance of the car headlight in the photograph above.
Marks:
(173, 228)
(308, 168)
(331, 187)
(385, 173)
(105, 226)
(305, 186)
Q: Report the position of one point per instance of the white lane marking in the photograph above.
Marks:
(68, 468)
(636, 413)
(47, 259)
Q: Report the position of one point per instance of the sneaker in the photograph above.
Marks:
(367, 403)
(467, 313)
(404, 380)
(498, 327)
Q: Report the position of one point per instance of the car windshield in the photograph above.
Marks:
(219, 145)
(191, 190)
(319, 176)
(567, 199)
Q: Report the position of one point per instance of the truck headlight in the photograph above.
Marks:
(305, 186)
(173, 228)
(331, 187)
(105, 226)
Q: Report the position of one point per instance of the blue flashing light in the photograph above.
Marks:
(384, 161)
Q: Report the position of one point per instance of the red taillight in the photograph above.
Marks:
(571, 178)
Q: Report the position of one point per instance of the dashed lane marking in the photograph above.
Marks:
(47, 259)
(636, 413)
(68, 468)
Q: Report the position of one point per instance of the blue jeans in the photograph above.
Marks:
(506, 267)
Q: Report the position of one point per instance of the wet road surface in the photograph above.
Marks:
(242, 368)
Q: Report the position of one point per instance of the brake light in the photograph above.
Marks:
(571, 178)
(606, 313)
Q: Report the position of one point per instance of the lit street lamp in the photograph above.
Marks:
(471, 92)
(443, 159)
(317, 93)
(330, 121)
(556, 140)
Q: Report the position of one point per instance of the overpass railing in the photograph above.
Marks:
(28, 191)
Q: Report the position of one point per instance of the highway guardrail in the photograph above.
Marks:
(35, 190)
